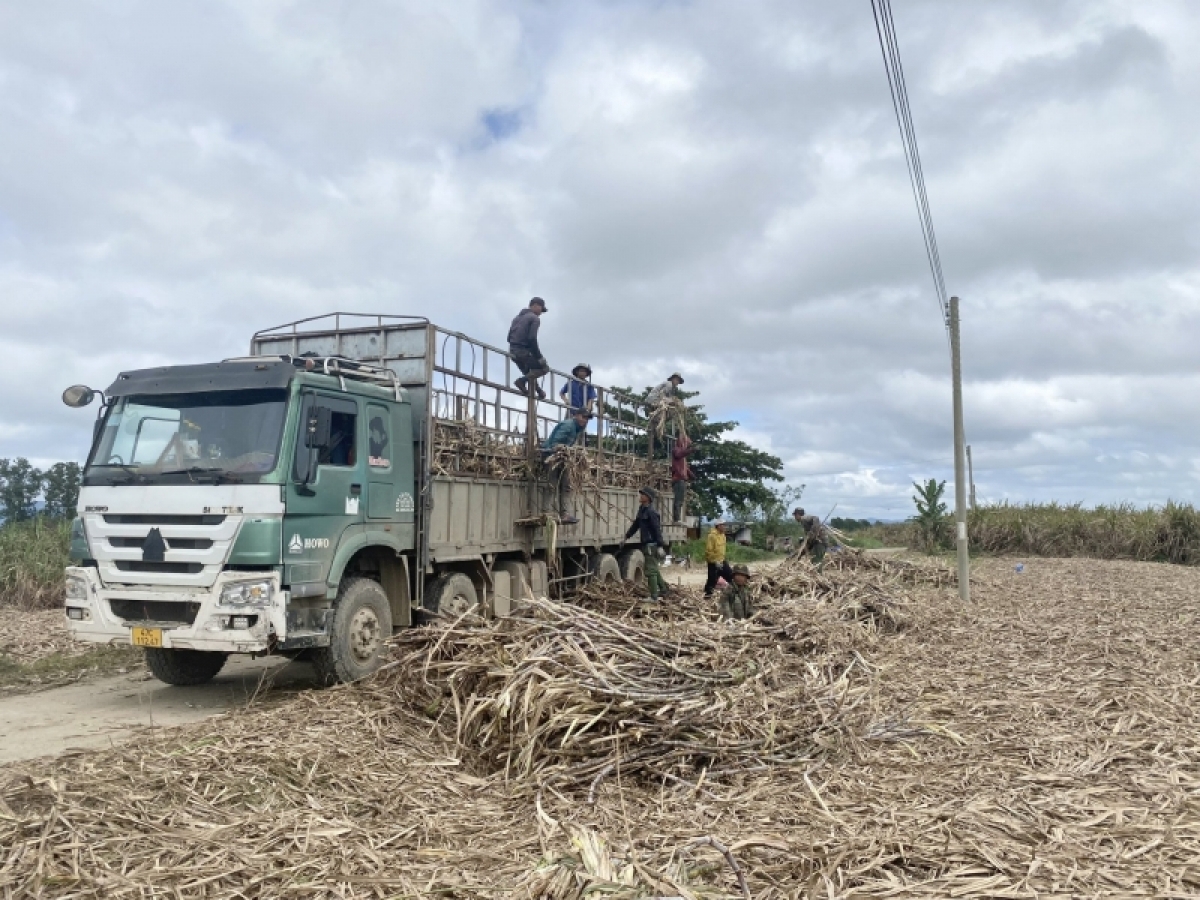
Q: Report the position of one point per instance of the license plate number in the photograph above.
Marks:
(146, 637)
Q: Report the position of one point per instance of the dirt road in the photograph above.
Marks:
(103, 711)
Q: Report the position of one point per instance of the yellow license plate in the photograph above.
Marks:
(146, 637)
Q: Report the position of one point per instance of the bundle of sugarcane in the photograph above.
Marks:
(668, 411)
(463, 447)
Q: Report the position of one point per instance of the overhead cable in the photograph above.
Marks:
(885, 28)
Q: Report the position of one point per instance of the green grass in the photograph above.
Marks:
(58, 668)
(734, 553)
(32, 558)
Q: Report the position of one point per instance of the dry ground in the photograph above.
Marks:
(1041, 743)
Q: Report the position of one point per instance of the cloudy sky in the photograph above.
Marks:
(710, 186)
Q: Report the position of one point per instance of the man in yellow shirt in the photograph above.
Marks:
(714, 555)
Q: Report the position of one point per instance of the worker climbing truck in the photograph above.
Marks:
(313, 497)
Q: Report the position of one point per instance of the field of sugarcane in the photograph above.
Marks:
(32, 557)
(1169, 533)
(863, 736)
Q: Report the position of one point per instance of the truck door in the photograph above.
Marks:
(325, 492)
(382, 461)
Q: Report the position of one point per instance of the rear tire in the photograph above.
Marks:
(184, 668)
(362, 622)
(605, 569)
(451, 595)
(633, 566)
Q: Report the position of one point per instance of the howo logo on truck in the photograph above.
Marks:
(298, 544)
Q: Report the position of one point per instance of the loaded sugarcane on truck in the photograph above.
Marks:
(317, 495)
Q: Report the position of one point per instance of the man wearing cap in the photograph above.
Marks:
(735, 599)
(814, 537)
(578, 392)
(714, 555)
(566, 433)
(523, 347)
(648, 527)
(664, 391)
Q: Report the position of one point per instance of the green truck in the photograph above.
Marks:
(348, 476)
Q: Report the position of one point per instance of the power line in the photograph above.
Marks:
(885, 29)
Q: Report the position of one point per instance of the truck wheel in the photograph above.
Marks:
(184, 668)
(633, 566)
(451, 595)
(605, 569)
(362, 621)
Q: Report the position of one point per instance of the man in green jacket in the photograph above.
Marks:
(735, 599)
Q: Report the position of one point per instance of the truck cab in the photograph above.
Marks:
(221, 502)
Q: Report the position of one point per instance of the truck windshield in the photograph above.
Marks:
(172, 438)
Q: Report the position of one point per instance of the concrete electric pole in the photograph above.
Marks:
(960, 460)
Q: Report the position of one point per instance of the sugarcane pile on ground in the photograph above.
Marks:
(463, 447)
(1040, 743)
(562, 695)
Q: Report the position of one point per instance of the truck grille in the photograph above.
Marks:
(179, 568)
(160, 519)
(196, 547)
(132, 610)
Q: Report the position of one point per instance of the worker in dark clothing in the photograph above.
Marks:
(523, 347)
(815, 539)
(681, 474)
(735, 599)
(566, 433)
(648, 527)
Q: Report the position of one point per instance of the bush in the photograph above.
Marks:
(32, 557)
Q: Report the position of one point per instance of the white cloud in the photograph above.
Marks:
(691, 186)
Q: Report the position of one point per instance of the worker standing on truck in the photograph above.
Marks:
(714, 556)
(665, 391)
(523, 347)
(578, 393)
(735, 599)
(566, 433)
(814, 537)
(648, 527)
(681, 474)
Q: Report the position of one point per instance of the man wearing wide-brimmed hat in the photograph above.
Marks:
(578, 393)
(664, 391)
(735, 599)
(648, 526)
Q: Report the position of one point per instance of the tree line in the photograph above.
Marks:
(27, 492)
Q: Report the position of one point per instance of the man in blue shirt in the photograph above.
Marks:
(578, 393)
(566, 433)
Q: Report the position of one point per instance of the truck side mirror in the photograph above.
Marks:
(78, 396)
(318, 427)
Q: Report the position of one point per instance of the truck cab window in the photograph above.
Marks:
(341, 450)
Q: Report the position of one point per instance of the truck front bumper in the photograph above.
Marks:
(185, 619)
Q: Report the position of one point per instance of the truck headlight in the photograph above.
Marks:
(246, 593)
(77, 588)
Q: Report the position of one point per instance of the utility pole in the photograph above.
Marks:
(971, 478)
(960, 463)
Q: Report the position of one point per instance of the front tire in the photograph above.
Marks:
(184, 668)
(362, 623)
